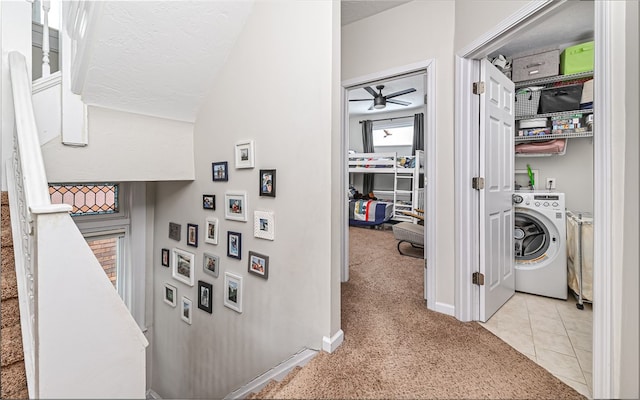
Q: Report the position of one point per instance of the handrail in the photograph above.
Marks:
(79, 339)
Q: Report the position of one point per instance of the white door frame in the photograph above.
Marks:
(430, 249)
(466, 166)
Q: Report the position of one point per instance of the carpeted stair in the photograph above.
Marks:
(13, 381)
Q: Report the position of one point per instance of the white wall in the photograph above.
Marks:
(415, 32)
(573, 172)
(124, 147)
(277, 88)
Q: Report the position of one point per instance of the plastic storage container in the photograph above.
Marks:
(578, 58)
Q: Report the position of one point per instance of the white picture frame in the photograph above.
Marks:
(183, 266)
(211, 264)
(235, 205)
(264, 225)
(211, 230)
(245, 154)
(233, 291)
(170, 294)
(186, 310)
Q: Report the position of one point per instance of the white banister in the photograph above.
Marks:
(79, 339)
(46, 68)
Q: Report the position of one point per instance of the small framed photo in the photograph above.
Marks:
(192, 235)
(211, 232)
(220, 171)
(211, 264)
(183, 264)
(245, 154)
(186, 310)
(259, 264)
(268, 182)
(234, 245)
(233, 291)
(264, 225)
(205, 296)
(235, 206)
(174, 231)
(165, 257)
(209, 201)
(170, 294)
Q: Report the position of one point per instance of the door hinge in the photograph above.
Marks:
(425, 99)
(477, 183)
(478, 87)
(477, 279)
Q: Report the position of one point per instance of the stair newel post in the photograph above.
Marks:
(46, 68)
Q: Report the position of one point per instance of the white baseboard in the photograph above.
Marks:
(331, 344)
(152, 395)
(445, 308)
(276, 373)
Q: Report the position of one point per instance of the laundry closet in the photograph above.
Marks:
(553, 201)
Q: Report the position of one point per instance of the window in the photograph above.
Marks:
(100, 210)
(393, 137)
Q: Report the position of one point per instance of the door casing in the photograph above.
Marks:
(467, 161)
(429, 68)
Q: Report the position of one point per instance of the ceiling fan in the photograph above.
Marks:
(380, 101)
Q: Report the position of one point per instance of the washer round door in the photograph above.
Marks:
(535, 238)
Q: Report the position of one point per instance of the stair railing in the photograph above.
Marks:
(79, 339)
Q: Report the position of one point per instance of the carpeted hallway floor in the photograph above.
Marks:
(395, 348)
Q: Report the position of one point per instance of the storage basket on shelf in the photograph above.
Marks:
(576, 59)
(561, 98)
(527, 101)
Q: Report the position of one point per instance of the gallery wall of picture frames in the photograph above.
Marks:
(182, 263)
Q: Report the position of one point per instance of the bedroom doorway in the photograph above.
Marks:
(392, 106)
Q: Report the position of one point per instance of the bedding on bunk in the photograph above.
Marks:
(383, 162)
(369, 212)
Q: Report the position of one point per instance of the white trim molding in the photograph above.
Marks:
(603, 321)
(331, 344)
(276, 373)
(445, 308)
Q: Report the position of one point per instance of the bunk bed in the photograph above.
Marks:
(398, 203)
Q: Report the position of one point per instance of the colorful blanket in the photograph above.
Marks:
(369, 212)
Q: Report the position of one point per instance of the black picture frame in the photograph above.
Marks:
(205, 296)
(165, 258)
(258, 264)
(220, 171)
(192, 235)
(234, 245)
(174, 231)
(267, 182)
(209, 201)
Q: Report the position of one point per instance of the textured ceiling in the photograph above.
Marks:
(159, 58)
(355, 10)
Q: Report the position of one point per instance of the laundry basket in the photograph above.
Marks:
(580, 255)
(527, 101)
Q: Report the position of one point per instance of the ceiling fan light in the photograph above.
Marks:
(379, 102)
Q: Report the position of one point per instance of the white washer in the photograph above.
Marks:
(540, 243)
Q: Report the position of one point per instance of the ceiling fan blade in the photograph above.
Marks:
(402, 103)
(360, 100)
(400, 93)
(371, 91)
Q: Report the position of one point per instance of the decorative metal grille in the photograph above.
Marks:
(86, 199)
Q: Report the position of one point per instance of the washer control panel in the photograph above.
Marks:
(543, 201)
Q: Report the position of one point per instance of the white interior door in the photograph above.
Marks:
(496, 209)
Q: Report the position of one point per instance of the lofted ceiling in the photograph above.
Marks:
(158, 58)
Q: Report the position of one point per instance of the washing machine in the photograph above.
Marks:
(540, 243)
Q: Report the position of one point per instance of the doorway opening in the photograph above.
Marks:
(402, 143)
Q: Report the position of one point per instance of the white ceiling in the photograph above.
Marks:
(138, 65)
(355, 10)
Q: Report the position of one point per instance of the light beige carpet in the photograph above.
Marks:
(395, 348)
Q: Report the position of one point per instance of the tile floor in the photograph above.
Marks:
(551, 332)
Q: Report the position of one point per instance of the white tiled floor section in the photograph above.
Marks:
(551, 332)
